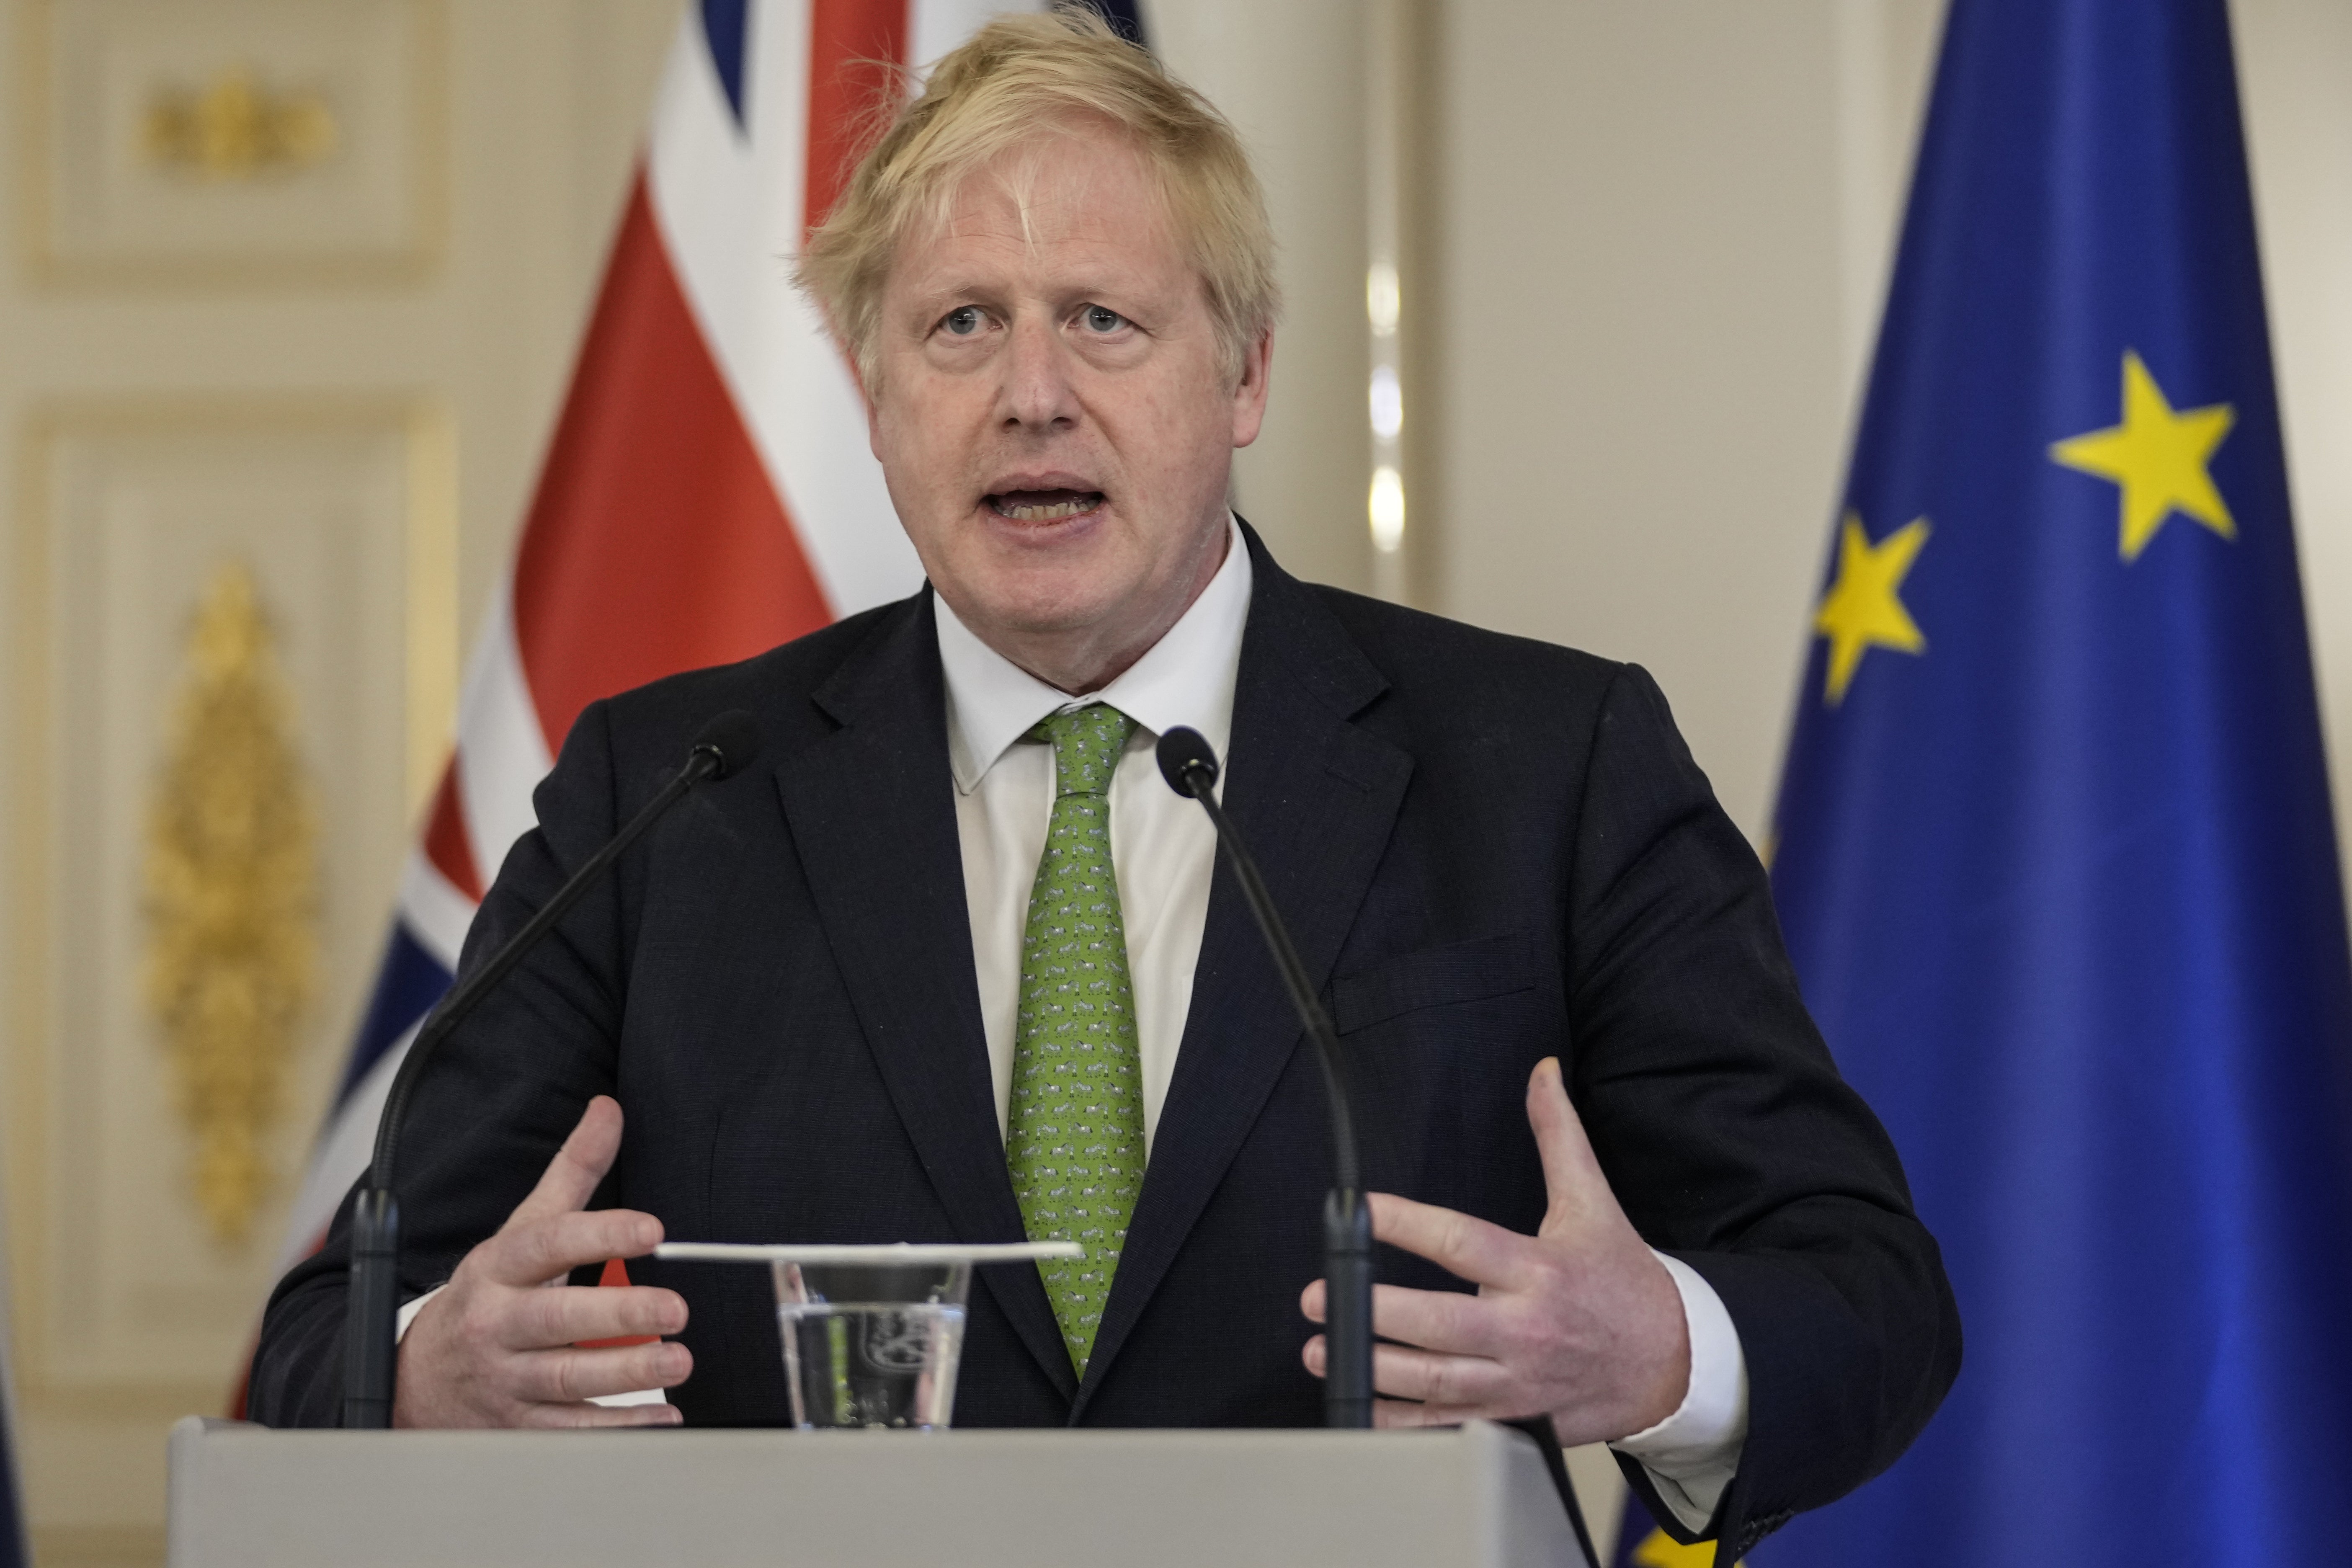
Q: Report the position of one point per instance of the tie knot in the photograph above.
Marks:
(1086, 745)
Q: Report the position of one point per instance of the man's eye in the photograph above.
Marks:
(1103, 319)
(962, 321)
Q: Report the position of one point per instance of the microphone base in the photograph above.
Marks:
(1346, 1311)
(373, 1311)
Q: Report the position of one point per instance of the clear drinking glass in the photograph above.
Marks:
(872, 1344)
(872, 1335)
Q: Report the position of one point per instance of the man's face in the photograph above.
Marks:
(1052, 415)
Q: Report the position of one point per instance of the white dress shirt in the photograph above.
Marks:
(1164, 853)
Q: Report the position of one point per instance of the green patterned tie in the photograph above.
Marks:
(1075, 1133)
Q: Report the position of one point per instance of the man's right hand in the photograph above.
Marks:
(498, 1346)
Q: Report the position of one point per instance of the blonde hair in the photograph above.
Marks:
(1020, 78)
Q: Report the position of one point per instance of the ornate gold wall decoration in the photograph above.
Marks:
(233, 143)
(231, 893)
(238, 129)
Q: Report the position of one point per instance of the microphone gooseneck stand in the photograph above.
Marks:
(726, 745)
(1189, 765)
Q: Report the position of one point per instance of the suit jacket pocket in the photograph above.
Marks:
(1470, 971)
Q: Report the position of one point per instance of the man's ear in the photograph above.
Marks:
(1250, 391)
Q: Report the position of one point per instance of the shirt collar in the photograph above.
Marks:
(1185, 678)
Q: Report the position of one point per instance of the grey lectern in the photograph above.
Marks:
(253, 1498)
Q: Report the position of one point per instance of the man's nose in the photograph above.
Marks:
(1037, 391)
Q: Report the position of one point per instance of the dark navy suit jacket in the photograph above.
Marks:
(1490, 850)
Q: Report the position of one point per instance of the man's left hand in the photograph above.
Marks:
(1579, 1321)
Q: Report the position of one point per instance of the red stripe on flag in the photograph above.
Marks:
(854, 49)
(445, 836)
(656, 543)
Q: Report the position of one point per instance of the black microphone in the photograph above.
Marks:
(727, 746)
(1189, 765)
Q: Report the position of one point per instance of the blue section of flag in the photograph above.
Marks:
(724, 22)
(1634, 1529)
(408, 983)
(2056, 857)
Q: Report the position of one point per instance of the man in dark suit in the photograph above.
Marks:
(834, 994)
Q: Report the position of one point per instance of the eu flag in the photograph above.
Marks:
(2053, 850)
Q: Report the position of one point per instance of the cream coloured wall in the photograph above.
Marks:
(1665, 227)
(362, 427)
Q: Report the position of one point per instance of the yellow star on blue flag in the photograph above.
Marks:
(2157, 457)
(1864, 609)
(1659, 1551)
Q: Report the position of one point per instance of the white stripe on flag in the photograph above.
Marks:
(501, 752)
(728, 206)
(437, 912)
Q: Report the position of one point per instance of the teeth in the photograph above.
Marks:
(1053, 513)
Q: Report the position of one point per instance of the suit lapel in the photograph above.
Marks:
(1316, 797)
(872, 812)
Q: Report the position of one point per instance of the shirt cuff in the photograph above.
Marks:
(1692, 1455)
(408, 1310)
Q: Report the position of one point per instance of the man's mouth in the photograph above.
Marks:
(1043, 506)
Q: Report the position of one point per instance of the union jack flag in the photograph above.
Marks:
(708, 492)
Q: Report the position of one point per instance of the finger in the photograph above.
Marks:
(545, 1319)
(544, 1249)
(568, 1376)
(1463, 1385)
(571, 1178)
(1475, 1382)
(1393, 1414)
(585, 1415)
(1434, 1319)
(1572, 1172)
(1461, 1244)
(1452, 1321)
